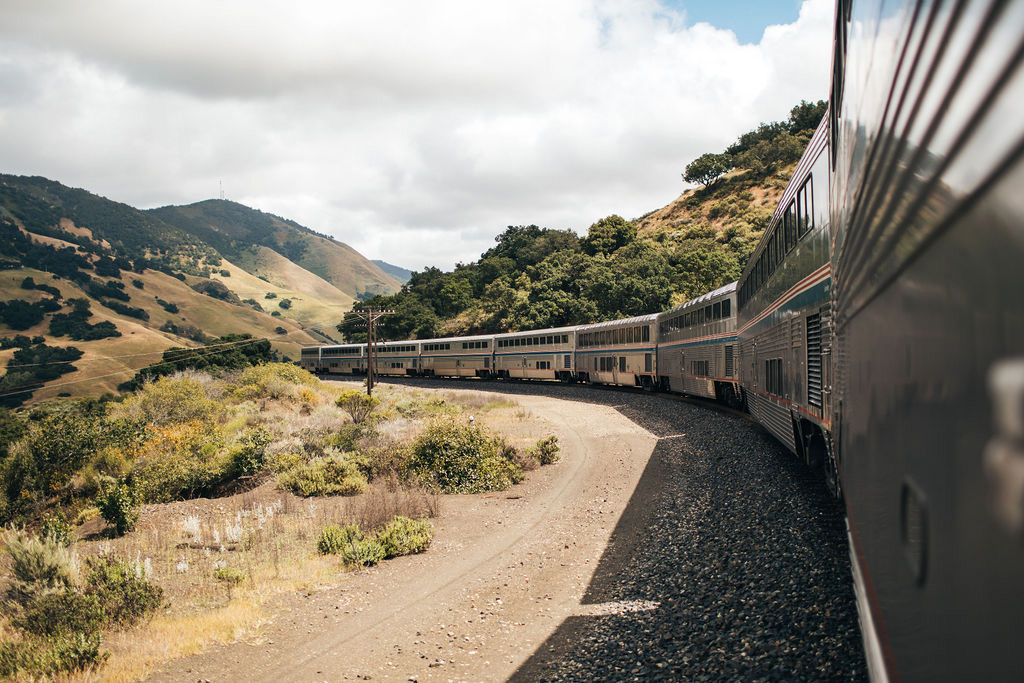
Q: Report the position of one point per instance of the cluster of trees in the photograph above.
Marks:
(21, 315)
(76, 323)
(229, 352)
(30, 367)
(763, 150)
(539, 277)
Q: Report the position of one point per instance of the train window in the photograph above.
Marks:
(707, 314)
(565, 339)
(726, 308)
(717, 310)
(773, 376)
(789, 224)
(622, 363)
(646, 334)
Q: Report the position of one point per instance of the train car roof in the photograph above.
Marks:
(703, 298)
(638, 320)
(441, 340)
(546, 330)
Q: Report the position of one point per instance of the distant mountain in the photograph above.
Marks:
(237, 232)
(398, 272)
(148, 280)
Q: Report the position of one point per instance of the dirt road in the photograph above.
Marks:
(505, 570)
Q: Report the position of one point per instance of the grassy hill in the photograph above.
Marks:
(108, 362)
(241, 234)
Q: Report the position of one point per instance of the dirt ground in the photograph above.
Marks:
(505, 569)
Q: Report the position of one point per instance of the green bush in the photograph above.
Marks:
(229, 575)
(364, 553)
(62, 613)
(60, 623)
(456, 458)
(546, 451)
(330, 475)
(334, 538)
(404, 536)
(117, 503)
(57, 528)
(180, 462)
(248, 453)
(38, 566)
(171, 400)
(126, 594)
(357, 404)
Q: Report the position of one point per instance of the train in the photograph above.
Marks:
(877, 331)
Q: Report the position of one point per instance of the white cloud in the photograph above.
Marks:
(414, 131)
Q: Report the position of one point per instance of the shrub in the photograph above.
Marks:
(117, 503)
(404, 536)
(229, 575)
(61, 613)
(269, 295)
(357, 404)
(180, 461)
(170, 400)
(546, 451)
(58, 529)
(456, 458)
(248, 454)
(123, 589)
(335, 474)
(285, 303)
(364, 553)
(38, 566)
(334, 537)
(270, 380)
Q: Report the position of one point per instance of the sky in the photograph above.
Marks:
(413, 131)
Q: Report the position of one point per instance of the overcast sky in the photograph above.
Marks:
(414, 131)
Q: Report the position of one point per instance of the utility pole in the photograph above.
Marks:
(369, 318)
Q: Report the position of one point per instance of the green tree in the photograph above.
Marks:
(609, 234)
(765, 157)
(707, 168)
(806, 116)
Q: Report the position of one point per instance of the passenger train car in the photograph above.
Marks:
(697, 347)
(536, 354)
(619, 352)
(784, 314)
(927, 203)
(457, 356)
(877, 331)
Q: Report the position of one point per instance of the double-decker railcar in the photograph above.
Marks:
(621, 352)
(536, 354)
(697, 347)
(342, 359)
(457, 356)
(784, 314)
(928, 202)
(396, 358)
(309, 358)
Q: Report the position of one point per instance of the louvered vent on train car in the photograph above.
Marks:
(728, 361)
(814, 360)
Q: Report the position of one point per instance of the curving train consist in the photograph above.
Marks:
(877, 331)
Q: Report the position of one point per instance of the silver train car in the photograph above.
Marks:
(927, 203)
(697, 347)
(457, 356)
(339, 359)
(536, 354)
(620, 352)
(784, 316)
(395, 358)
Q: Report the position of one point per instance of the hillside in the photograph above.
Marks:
(399, 273)
(116, 286)
(238, 233)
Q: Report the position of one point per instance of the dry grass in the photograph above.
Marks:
(267, 533)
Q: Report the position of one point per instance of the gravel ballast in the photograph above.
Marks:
(731, 561)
